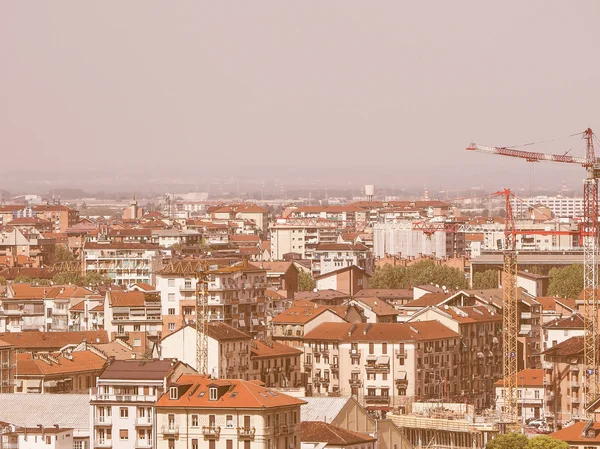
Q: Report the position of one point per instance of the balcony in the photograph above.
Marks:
(547, 365)
(307, 366)
(575, 399)
(574, 368)
(13, 445)
(575, 384)
(334, 367)
(354, 352)
(374, 367)
(377, 398)
(103, 442)
(122, 334)
(246, 432)
(171, 429)
(525, 315)
(103, 420)
(211, 431)
(187, 288)
(354, 382)
(143, 421)
(281, 429)
(60, 312)
(123, 398)
(401, 382)
(147, 443)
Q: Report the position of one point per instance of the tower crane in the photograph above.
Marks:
(199, 270)
(589, 241)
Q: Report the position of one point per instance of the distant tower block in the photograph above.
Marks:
(426, 196)
(369, 192)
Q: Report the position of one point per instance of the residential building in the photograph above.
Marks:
(178, 238)
(38, 413)
(531, 394)
(50, 341)
(58, 372)
(8, 367)
(479, 362)
(560, 206)
(348, 280)
(396, 296)
(134, 316)
(228, 349)
(281, 277)
(122, 406)
(275, 364)
(581, 435)
(561, 329)
(300, 236)
(376, 310)
(62, 217)
(317, 434)
(290, 326)
(15, 243)
(124, 263)
(225, 414)
(329, 257)
(383, 365)
(252, 212)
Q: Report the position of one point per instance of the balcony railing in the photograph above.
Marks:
(354, 381)
(143, 421)
(103, 443)
(246, 432)
(354, 352)
(377, 398)
(170, 430)
(547, 365)
(144, 443)
(103, 420)
(123, 398)
(211, 430)
(526, 315)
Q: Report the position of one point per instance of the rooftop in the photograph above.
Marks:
(29, 410)
(527, 378)
(350, 332)
(52, 340)
(320, 432)
(144, 369)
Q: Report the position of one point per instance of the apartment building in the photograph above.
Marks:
(479, 363)
(15, 243)
(565, 375)
(236, 296)
(81, 317)
(125, 263)
(560, 206)
(300, 236)
(347, 280)
(252, 212)
(58, 372)
(275, 364)
(62, 217)
(531, 394)
(281, 276)
(122, 405)
(348, 216)
(8, 366)
(383, 365)
(327, 436)
(376, 310)
(329, 257)
(225, 414)
(561, 329)
(134, 316)
(228, 349)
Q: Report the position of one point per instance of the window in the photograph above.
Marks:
(188, 311)
(171, 297)
(213, 394)
(171, 282)
(124, 412)
(171, 326)
(211, 444)
(384, 348)
(371, 348)
(194, 420)
(78, 444)
(247, 444)
(137, 328)
(123, 434)
(171, 311)
(173, 393)
(48, 439)
(171, 443)
(137, 342)
(229, 444)
(194, 443)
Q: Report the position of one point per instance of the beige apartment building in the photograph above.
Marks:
(383, 365)
(198, 412)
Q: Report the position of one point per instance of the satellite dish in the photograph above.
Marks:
(315, 290)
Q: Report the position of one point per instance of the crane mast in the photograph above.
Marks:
(589, 241)
(510, 319)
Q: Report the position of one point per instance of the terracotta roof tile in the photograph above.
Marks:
(52, 340)
(574, 321)
(387, 293)
(121, 245)
(378, 306)
(421, 331)
(322, 432)
(263, 349)
(299, 315)
(145, 369)
(81, 361)
(572, 434)
(239, 394)
(527, 378)
(428, 299)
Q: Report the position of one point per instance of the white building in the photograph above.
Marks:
(560, 206)
(122, 406)
(531, 400)
(561, 329)
(226, 414)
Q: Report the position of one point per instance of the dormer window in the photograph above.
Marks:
(212, 391)
(173, 393)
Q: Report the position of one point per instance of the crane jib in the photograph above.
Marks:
(530, 156)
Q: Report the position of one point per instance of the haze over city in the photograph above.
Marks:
(331, 92)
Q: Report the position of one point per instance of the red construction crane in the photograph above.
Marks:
(589, 241)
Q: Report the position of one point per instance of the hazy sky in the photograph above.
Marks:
(363, 91)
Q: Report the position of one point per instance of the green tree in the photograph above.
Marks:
(63, 254)
(94, 279)
(306, 282)
(547, 442)
(485, 280)
(2, 280)
(66, 278)
(566, 282)
(426, 272)
(41, 282)
(23, 279)
(511, 440)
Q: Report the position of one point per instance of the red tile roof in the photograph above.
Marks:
(81, 361)
(428, 299)
(322, 432)
(574, 321)
(572, 434)
(378, 306)
(527, 378)
(144, 369)
(52, 340)
(244, 238)
(421, 330)
(127, 299)
(299, 315)
(387, 293)
(121, 245)
(348, 247)
(264, 349)
(472, 314)
(239, 394)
